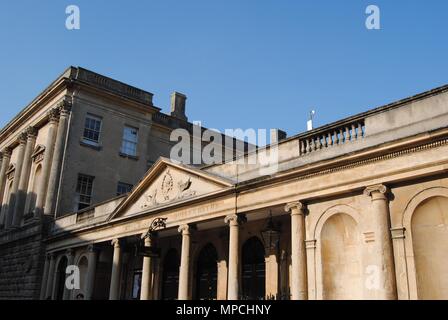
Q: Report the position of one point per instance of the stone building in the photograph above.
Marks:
(357, 209)
(84, 140)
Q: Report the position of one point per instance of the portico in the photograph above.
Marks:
(347, 214)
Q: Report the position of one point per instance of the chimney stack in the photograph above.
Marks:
(178, 105)
(277, 135)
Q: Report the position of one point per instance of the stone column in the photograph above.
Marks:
(53, 118)
(43, 288)
(70, 262)
(58, 153)
(299, 282)
(92, 256)
(24, 178)
(386, 288)
(6, 157)
(114, 290)
(184, 263)
(146, 287)
(51, 275)
(15, 184)
(234, 222)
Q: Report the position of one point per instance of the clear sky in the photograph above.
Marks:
(242, 63)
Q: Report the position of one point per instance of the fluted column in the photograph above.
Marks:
(6, 157)
(53, 118)
(92, 255)
(15, 184)
(385, 288)
(58, 153)
(116, 271)
(146, 287)
(70, 262)
(43, 288)
(299, 282)
(24, 178)
(234, 222)
(51, 276)
(184, 262)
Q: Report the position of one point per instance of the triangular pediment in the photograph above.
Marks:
(168, 183)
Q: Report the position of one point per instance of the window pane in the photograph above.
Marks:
(129, 143)
(84, 190)
(92, 128)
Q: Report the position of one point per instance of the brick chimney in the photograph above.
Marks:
(178, 105)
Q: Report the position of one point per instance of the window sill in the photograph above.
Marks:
(124, 155)
(96, 147)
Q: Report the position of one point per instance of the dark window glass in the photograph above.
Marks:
(84, 190)
(123, 188)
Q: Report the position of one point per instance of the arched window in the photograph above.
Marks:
(80, 294)
(254, 270)
(170, 281)
(207, 273)
(60, 278)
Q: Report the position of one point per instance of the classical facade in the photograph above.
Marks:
(357, 209)
(84, 140)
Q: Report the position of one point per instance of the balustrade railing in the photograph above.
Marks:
(333, 136)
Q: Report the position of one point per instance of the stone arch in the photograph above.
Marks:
(59, 277)
(424, 238)
(82, 262)
(339, 262)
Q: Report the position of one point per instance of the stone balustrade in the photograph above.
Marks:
(328, 137)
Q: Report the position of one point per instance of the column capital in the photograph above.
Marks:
(6, 152)
(235, 219)
(378, 191)
(186, 229)
(70, 252)
(22, 138)
(116, 243)
(296, 207)
(53, 115)
(49, 255)
(65, 106)
(31, 132)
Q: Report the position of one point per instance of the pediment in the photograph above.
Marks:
(168, 183)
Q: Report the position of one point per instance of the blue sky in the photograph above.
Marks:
(242, 63)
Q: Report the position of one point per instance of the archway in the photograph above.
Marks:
(80, 294)
(170, 279)
(341, 258)
(207, 273)
(430, 243)
(254, 270)
(60, 278)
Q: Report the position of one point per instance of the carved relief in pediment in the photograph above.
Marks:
(169, 188)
